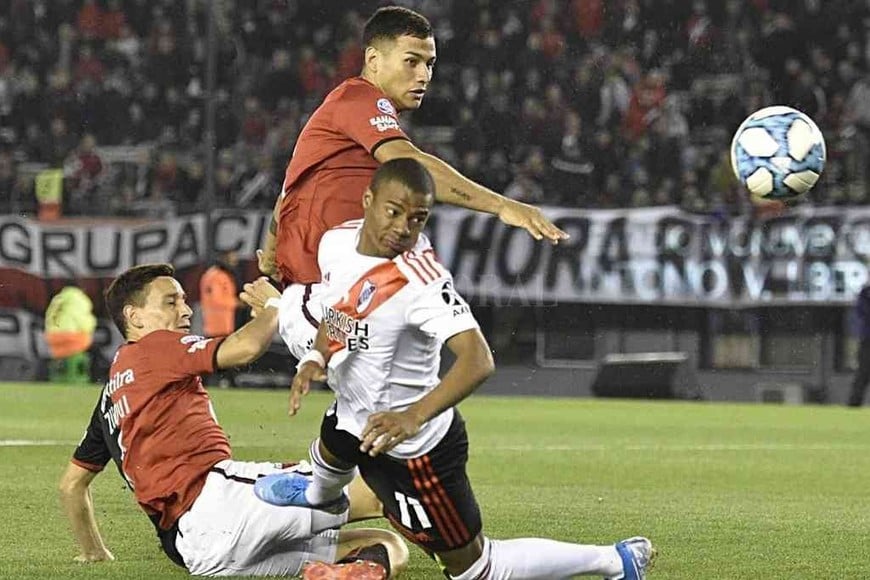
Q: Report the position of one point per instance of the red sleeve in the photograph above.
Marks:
(176, 356)
(368, 117)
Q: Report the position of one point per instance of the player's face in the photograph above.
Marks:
(394, 218)
(403, 69)
(165, 308)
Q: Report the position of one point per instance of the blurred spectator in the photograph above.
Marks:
(82, 172)
(254, 123)
(526, 185)
(588, 18)
(113, 21)
(572, 165)
(280, 81)
(88, 67)
(69, 332)
(89, 20)
(217, 294)
(54, 147)
(8, 176)
(862, 373)
(644, 105)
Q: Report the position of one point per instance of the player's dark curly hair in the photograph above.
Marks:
(129, 288)
(409, 172)
(391, 22)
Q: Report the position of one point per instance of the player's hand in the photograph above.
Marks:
(310, 371)
(532, 219)
(385, 430)
(101, 556)
(255, 294)
(266, 264)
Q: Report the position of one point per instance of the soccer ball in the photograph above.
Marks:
(778, 153)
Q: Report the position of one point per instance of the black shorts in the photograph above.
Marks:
(428, 499)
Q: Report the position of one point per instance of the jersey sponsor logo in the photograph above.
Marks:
(452, 299)
(118, 380)
(346, 330)
(386, 107)
(384, 123)
(365, 296)
(199, 345)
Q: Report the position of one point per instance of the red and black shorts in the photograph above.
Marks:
(428, 499)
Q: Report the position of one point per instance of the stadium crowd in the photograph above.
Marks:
(580, 103)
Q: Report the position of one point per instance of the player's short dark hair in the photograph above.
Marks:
(409, 172)
(129, 288)
(391, 22)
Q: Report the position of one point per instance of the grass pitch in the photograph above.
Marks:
(725, 491)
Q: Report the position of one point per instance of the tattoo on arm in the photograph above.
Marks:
(460, 194)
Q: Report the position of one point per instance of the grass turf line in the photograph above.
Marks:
(725, 491)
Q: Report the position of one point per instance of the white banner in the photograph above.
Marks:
(106, 248)
(661, 256)
(655, 256)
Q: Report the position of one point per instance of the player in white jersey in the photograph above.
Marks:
(388, 308)
(386, 321)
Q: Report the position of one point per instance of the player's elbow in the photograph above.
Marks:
(239, 357)
(237, 351)
(483, 363)
(249, 353)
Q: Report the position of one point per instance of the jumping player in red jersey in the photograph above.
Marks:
(156, 421)
(354, 130)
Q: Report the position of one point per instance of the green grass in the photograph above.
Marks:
(725, 491)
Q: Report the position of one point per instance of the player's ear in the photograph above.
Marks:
(131, 315)
(368, 198)
(371, 58)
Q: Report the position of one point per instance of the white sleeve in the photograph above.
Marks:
(439, 311)
(323, 253)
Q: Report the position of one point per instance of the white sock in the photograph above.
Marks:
(327, 481)
(540, 559)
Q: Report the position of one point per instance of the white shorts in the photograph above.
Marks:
(299, 317)
(229, 532)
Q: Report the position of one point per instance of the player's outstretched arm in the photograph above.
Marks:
(75, 497)
(249, 342)
(472, 366)
(454, 188)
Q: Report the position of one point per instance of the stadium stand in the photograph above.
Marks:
(620, 104)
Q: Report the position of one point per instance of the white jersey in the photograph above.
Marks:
(386, 322)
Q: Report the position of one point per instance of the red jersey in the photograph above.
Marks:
(155, 415)
(331, 167)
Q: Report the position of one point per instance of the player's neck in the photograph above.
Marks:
(370, 77)
(368, 247)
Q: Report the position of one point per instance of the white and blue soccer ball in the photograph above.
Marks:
(778, 153)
